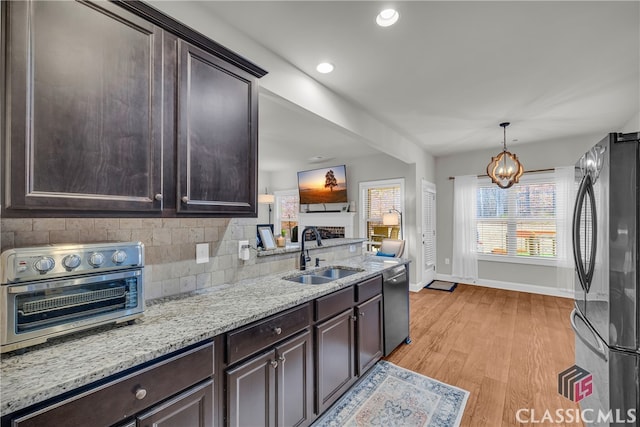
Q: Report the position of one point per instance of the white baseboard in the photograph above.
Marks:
(510, 286)
(415, 287)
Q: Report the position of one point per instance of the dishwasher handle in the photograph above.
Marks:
(402, 277)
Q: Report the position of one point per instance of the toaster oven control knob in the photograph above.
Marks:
(119, 257)
(44, 264)
(96, 259)
(71, 261)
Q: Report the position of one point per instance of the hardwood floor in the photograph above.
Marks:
(506, 348)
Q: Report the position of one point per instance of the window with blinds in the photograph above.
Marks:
(379, 199)
(519, 221)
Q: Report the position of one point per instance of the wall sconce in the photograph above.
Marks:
(505, 169)
(393, 217)
(267, 199)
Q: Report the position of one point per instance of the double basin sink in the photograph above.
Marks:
(324, 275)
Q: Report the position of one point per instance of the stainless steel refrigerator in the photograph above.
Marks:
(606, 319)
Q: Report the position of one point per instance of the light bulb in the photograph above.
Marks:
(387, 17)
(325, 67)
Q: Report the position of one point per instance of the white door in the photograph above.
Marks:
(428, 232)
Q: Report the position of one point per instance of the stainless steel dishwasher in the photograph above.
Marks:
(395, 296)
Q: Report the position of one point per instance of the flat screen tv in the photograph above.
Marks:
(325, 185)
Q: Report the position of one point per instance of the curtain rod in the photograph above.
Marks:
(531, 171)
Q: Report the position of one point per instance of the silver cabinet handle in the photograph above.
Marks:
(278, 331)
(185, 199)
(362, 314)
(354, 318)
(158, 197)
(274, 363)
(281, 359)
(141, 393)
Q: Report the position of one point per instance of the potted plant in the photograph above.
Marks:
(280, 240)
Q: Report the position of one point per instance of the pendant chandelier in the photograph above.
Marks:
(505, 169)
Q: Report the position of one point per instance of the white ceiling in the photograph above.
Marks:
(449, 72)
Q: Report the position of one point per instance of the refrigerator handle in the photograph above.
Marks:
(599, 350)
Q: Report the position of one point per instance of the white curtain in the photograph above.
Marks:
(464, 264)
(565, 200)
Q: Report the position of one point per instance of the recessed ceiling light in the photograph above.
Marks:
(325, 67)
(387, 17)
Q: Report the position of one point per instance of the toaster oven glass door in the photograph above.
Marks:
(52, 305)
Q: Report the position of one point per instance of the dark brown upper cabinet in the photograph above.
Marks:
(217, 137)
(114, 107)
(83, 107)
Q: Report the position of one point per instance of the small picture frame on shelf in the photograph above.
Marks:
(266, 235)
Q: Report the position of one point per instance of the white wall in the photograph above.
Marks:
(542, 155)
(633, 125)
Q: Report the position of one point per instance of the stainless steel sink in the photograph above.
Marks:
(325, 275)
(337, 272)
(309, 279)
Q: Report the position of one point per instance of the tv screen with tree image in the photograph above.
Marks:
(325, 185)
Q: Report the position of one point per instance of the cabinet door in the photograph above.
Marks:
(217, 135)
(193, 408)
(84, 107)
(294, 382)
(370, 326)
(251, 392)
(335, 346)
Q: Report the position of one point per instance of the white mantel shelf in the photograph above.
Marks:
(328, 219)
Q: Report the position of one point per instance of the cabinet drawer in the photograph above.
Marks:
(116, 401)
(334, 303)
(368, 288)
(250, 339)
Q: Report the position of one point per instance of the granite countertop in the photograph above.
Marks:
(60, 366)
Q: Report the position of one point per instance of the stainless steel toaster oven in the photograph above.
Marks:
(48, 291)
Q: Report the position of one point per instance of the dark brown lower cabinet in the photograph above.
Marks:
(274, 388)
(335, 355)
(176, 392)
(193, 408)
(369, 337)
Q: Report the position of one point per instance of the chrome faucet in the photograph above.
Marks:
(304, 257)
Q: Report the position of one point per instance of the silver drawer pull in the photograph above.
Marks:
(281, 359)
(278, 331)
(185, 199)
(158, 197)
(362, 313)
(354, 318)
(141, 393)
(274, 363)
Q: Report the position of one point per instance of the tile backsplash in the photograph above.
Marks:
(170, 247)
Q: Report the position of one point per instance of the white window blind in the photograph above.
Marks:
(519, 221)
(379, 199)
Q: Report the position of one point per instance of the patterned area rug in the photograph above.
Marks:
(393, 396)
(441, 285)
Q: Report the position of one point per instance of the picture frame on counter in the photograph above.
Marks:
(266, 236)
